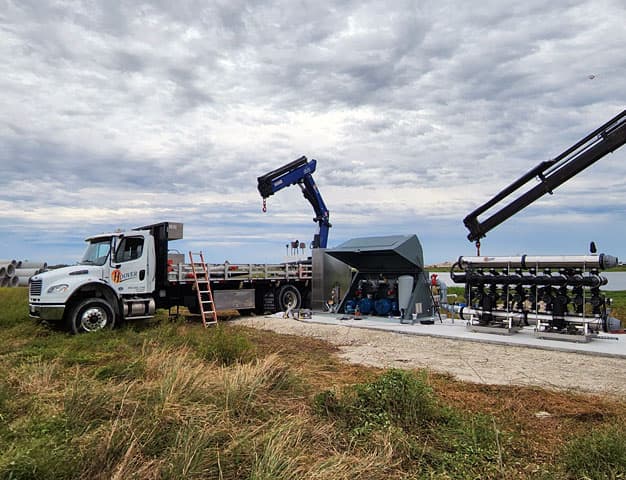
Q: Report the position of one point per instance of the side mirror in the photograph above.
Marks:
(592, 247)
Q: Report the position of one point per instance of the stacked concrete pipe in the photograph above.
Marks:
(15, 273)
(7, 272)
(24, 274)
(7, 269)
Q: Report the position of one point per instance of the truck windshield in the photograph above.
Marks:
(97, 252)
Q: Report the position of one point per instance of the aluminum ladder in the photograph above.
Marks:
(203, 289)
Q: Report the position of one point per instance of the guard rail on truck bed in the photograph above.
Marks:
(221, 272)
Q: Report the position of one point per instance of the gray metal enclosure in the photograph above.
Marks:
(388, 258)
(328, 274)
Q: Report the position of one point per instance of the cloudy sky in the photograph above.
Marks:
(116, 114)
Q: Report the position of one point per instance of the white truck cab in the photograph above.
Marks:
(114, 279)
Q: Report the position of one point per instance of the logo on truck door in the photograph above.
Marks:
(117, 276)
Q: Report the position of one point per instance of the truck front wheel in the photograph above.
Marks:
(91, 315)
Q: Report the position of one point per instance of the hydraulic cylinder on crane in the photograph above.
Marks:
(299, 172)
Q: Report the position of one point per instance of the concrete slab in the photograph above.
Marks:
(608, 345)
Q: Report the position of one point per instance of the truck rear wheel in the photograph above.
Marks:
(91, 315)
(288, 296)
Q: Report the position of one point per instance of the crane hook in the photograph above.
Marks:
(264, 206)
(478, 248)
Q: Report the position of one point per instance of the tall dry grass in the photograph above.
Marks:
(166, 401)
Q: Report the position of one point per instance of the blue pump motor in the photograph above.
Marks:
(365, 305)
(382, 306)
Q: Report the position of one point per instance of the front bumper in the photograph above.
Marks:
(47, 312)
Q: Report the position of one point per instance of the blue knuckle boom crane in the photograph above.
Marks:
(299, 172)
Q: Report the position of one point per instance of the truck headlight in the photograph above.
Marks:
(58, 288)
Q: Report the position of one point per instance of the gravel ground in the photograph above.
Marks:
(469, 361)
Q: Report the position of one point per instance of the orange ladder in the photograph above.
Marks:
(203, 289)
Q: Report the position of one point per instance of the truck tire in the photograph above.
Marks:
(288, 295)
(91, 315)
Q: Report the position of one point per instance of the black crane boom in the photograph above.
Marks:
(551, 174)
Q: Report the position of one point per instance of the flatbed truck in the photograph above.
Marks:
(129, 275)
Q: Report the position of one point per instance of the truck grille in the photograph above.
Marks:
(35, 287)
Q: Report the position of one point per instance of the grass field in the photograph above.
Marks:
(169, 399)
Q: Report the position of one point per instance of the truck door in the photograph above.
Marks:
(131, 273)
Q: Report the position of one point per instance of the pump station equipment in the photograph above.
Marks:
(559, 294)
(389, 277)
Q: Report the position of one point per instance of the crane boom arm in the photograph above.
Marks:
(299, 172)
(551, 174)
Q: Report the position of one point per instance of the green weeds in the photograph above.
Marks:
(598, 454)
(402, 405)
(226, 346)
(397, 398)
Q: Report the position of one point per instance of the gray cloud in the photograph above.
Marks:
(116, 113)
